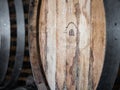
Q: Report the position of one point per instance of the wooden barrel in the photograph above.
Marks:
(15, 67)
(67, 43)
(112, 60)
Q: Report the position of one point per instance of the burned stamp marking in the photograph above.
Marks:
(71, 32)
(71, 35)
(71, 29)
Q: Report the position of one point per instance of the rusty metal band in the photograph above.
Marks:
(5, 38)
(20, 45)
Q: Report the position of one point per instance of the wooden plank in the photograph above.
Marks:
(36, 65)
(71, 39)
(98, 39)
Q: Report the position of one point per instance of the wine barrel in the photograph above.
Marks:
(12, 30)
(112, 59)
(67, 41)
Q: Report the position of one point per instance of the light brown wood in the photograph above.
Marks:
(70, 38)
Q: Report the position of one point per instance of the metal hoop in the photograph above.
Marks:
(20, 44)
(5, 38)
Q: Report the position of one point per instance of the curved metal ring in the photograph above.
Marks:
(112, 62)
(5, 38)
(20, 45)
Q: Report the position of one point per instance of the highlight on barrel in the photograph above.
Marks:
(7, 36)
(67, 40)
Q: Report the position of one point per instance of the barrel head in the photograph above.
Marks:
(68, 39)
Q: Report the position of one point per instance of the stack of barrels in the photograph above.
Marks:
(18, 65)
(18, 51)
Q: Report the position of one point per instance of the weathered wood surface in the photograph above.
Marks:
(69, 36)
(33, 44)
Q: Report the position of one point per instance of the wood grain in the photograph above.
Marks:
(72, 38)
(33, 44)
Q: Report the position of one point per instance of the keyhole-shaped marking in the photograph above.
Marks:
(71, 32)
(71, 35)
